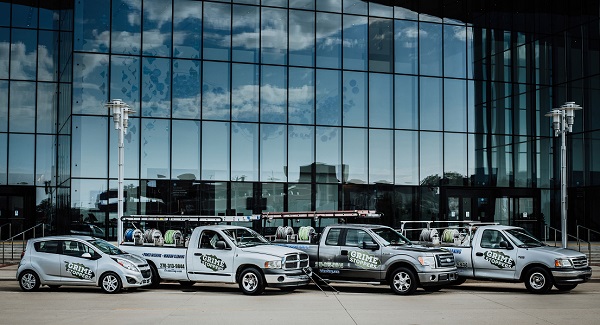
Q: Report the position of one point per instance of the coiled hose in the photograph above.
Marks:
(304, 233)
(282, 232)
(152, 235)
(134, 235)
(428, 234)
(173, 236)
(449, 234)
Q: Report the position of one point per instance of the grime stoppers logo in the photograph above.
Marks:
(79, 270)
(499, 259)
(364, 260)
(212, 262)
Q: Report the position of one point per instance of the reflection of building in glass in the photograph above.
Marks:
(419, 109)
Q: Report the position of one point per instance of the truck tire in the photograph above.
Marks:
(403, 281)
(251, 282)
(154, 277)
(538, 280)
(565, 287)
(29, 281)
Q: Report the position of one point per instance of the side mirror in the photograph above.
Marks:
(86, 255)
(505, 245)
(371, 246)
(220, 245)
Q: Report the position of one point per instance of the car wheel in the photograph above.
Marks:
(29, 281)
(155, 278)
(251, 282)
(403, 281)
(538, 280)
(110, 283)
(565, 287)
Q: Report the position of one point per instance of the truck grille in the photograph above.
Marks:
(295, 261)
(580, 262)
(445, 260)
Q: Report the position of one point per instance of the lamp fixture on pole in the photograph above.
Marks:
(120, 112)
(562, 122)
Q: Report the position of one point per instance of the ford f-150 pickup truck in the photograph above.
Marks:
(221, 253)
(374, 253)
(506, 253)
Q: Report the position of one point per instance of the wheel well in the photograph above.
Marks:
(152, 265)
(247, 266)
(395, 266)
(531, 266)
(30, 270)
(107, 272)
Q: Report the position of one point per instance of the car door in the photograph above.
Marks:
(47, 260)
(492, 259)
(206, 262)
(75, 268)
(329, 263)
(359, 263)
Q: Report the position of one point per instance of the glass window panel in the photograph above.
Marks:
(302, 4)
(406, 50)
(23, 54)
(273, 150)
(355, 156)
(215, 91)
(329, 40)
(355, 99)
(131, 141)
(3, 157)
(381, 10)
(274, 194)
(329, 5)
(5, 13)
(273, 94)
(3, 106)
(327, 198)
(49, 18)
(244, 99)
(406, 90)
(455, 158)
(155, 156)
(187, 29)
(241, 194)
(157, 27)
(244, 152)
(329, 97)
(328, 142)
(275, 3)
(47, 56)
(470, 53)
(274, 36)
(300, 153)
(381, 113)
(22, 107)
(156, 195)
(299, 197)
(91, 196)
(430, 46)
(45, 159)
(186, 89)
(21, 159)
(301, 96)
(245, 40)
(455, 51)
(355, 7)
(524, 162)
(431, 157)
(381, 160)
(381, 48)
(502, 159)
(186, 150)
(89, 156)
(90, 80)
(47, 107)
(471, 106)
(355, 42)
(302, 38)
(215, 150)
(130, 201)
(406, 158)
(156, 87)
(250, 2)
(126, 35)
(431, 104)
(455, 105)
(217, 31)
(4, 45)
(92, 26)
(25, 15)
(125, 80)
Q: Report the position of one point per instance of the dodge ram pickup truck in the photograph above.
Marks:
(506, 253)
(374, 253)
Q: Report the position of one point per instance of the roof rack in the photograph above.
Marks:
(150, 217)
(323, 214)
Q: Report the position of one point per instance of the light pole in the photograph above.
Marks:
(562, 122)
(120, 112)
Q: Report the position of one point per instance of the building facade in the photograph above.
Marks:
(422, 110)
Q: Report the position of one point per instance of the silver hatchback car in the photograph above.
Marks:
(80, 260)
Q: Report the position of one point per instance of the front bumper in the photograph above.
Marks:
(571, 276)
(134, 279)
(278, 278)
(437, 278)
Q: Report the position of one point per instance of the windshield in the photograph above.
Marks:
(106, 247)
(390, 237)
(243, 237)
(523, 239)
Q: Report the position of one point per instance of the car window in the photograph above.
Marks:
(75, 248)
(208, 239)
(491, 239)
(49, 246)
(355, 238)
(332, 237)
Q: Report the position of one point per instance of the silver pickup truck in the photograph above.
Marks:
(506, 253)
(374, 253)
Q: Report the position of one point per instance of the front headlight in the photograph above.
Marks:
(427, 261)
(126, 264)
(563, 262)
(273, 264)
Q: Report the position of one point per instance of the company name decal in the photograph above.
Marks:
(329, 265)
(499, 259)
(79, 270)
(364, 260)
(212, 262)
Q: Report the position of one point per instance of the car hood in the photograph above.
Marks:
(416, 248)
(135, 259)
(557, 251)
(272, 250)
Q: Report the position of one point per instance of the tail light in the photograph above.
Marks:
(22, 254)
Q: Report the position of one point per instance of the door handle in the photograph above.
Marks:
(344, 252)
(479, 254)
(197, 254)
